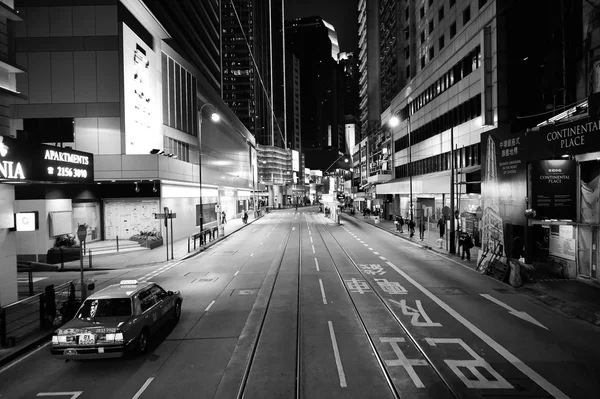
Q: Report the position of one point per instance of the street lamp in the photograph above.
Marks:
(393, 122)
(215, 118)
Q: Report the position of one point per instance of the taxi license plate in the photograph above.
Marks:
(87, 339)
(70, 352)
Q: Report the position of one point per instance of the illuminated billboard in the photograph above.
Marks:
(295, 161)
(141, 102)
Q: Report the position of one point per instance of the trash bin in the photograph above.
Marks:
(278, 206)
(376, 219)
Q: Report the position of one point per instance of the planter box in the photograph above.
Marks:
(151, 244)
(68, 254)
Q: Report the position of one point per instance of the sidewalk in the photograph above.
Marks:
(576, 298)
(120, 260)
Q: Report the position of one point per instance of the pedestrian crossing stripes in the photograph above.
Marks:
(159, 271)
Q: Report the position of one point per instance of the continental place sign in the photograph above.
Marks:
(27, 161)
(571, 138)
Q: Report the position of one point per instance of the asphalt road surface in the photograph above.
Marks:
(297, 306)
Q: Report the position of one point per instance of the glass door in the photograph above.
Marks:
(584, 251)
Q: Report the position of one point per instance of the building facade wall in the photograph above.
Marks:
(8, 246)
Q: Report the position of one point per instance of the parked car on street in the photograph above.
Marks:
(116, 320)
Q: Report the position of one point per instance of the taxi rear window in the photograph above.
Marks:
(114, 307)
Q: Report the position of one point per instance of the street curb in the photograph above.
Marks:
(548, 300)
(25, 349)
(214, 242)
(564, 306)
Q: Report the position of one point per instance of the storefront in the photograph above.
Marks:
(30, 165)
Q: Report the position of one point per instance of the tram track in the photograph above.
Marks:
(242, 391)
(380, 361)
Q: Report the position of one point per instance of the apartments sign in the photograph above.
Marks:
(26, 161)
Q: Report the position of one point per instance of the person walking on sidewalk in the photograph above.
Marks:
(223, 218)
(422, 229)
(411, 228)
(442, 226)
(245, 217)
(401, 223)
(466, 247)
(397, 222)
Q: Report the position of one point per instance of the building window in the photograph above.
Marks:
(440, 13)
(452, 30)
(408, 72)
(431, 26)
(422, 12)
(430, 3)
(431, 53)
(466, 15)
(407, 52)
(407, 14)
(422, 62)
(482, 3)
(423, 36)
(452, 3)
(441, 42)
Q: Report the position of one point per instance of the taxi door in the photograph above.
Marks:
(150, 309)
(163, 304)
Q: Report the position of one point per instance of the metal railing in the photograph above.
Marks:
(21, 319)
(203, 237)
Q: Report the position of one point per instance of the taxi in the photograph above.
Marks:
(115, 320)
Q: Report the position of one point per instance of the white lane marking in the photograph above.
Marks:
(254, 230)
(376, 253)
(336, 353)
(311, 240)
(381, 257)
(370, 249)
(73, 395)
(313, 248)
(366, 245)
(236, 273)
(261, 243)
(143, 388)
(402, 361)
(309, 233)
(209, 306)
(251, 254)
(317, 264)
(293, 228)
(323, 292)
(516, 362)
(514, 312)
(361, 241)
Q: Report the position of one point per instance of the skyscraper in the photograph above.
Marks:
(314, 42)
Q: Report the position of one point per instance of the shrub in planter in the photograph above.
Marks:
(67, 245)
(149, 239)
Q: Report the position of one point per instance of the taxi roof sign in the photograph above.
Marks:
(128, 282)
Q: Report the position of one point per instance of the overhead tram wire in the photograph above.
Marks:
(262, 84)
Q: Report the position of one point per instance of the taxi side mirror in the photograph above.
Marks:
(91, 286)
(170, 293)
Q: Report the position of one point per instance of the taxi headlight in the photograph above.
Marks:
(114, 337)
(59, 339)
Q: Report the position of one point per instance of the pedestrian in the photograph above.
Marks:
(411, 228)
(397, 222)
(245, 217)
(467, 245)
(422, 229)
(442, 227)
(223, 218)
(401, 223)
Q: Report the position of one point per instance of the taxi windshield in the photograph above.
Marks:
(114, 307)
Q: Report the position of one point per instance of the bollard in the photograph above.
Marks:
(117, 243)
(30, 275)
(188, 245)
(62, 259)
(42, 311)
(2, 328)
(90, 258)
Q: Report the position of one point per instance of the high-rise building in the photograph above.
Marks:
(314, 42)
(253, 65)
(294, 106)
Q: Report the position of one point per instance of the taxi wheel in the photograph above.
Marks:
(143, 341)
(177, 311)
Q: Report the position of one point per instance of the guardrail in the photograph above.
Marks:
(203, 237)
(36, 313)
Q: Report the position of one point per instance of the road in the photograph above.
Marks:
(296, 306)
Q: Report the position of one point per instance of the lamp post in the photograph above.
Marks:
(215, 118)
(395, 121)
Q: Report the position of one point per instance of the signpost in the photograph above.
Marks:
(81, 235)
(166, 216)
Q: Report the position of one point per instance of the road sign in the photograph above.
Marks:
(217, 208)
(172, 215)
(81, 232)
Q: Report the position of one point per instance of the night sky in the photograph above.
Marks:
(344, 19)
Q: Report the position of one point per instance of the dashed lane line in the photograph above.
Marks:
(139, 393)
